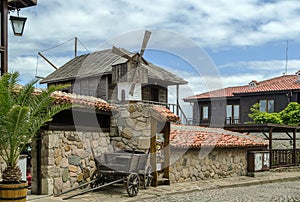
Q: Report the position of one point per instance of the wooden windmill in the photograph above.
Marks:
(129, 86)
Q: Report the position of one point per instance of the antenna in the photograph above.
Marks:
(286, 56)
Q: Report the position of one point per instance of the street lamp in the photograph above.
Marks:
(18, 24)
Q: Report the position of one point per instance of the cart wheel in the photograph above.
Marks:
(148, 177)
(98, 176)
(133, 184)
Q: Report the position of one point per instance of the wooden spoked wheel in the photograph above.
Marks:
(148, 177)
(98, 177)
(133, 184)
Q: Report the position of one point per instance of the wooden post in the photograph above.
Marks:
(4, 37)
(75, 51)
(107, 88)
(177, 100)
(167, 152)
(270, 146)
(294, 148)
(153, 151)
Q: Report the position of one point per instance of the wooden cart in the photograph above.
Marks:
(129, 167)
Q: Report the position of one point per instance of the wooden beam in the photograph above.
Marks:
(270, 145)
(294, 148)
(167, 152)
(177, 100)
(289, 135)
(16, 4)
(40, 54)
(153, 151)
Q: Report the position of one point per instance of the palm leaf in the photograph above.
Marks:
(22, 114)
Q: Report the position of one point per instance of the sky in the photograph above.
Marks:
(211, 44)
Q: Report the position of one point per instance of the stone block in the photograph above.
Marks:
(131, 108)
(185, 173)
(57, 153)
(67, 148)
(127, 133)
(177, 176)
(140, 126)
(120, 145)
(95, 144)
(64, 163)
(130, 122)
(146, 133)
(141, 119)
(47, 185)
(80, 145)
(73, 169)
(74, 160)
(65, 175)
(71, 137)
(143, 143)
(80, 177)
(135, 115)
(146, 112)
(66, 186)
(139, 107)
(58, 161)
(58, 184)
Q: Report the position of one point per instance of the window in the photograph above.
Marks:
(232, 114)
(266, 106)
(121, 72)
(205, 112)
(123, 96)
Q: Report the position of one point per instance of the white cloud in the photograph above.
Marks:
(215, 24)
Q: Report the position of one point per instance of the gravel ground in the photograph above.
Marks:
(283, 191)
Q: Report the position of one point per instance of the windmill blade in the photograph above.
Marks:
(131, 91)
(132, 86)
(117, 51)
(39, 77)
(145, 42)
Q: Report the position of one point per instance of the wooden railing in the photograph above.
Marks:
(284, 157)
(176, 109)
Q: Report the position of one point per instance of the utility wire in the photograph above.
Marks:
(83, 45)
(57, 45)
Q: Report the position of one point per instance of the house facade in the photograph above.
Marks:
(232, 105)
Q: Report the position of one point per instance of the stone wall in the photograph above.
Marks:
(67, 159)
(220, 163)
(131, 127)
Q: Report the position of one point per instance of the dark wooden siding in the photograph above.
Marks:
(280, 102)
(147, 93)
(92, 86)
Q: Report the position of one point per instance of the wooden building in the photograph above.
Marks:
(106, 75)
(232, 105)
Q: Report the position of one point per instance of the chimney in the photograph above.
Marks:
(253, 83)
(298, 76)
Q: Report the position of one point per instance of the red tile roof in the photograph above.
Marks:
(165, 113)
(282, 83)
(82, 100)
(196, 137)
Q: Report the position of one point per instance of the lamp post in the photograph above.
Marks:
(17, 23)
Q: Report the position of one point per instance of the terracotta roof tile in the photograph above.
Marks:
(282, 83)
(82, 100)
(196, 137)
(166, 113)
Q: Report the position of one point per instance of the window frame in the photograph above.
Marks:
(206, 114)
(233, 114)
(267, 103)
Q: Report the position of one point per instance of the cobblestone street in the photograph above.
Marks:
(283, 191)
